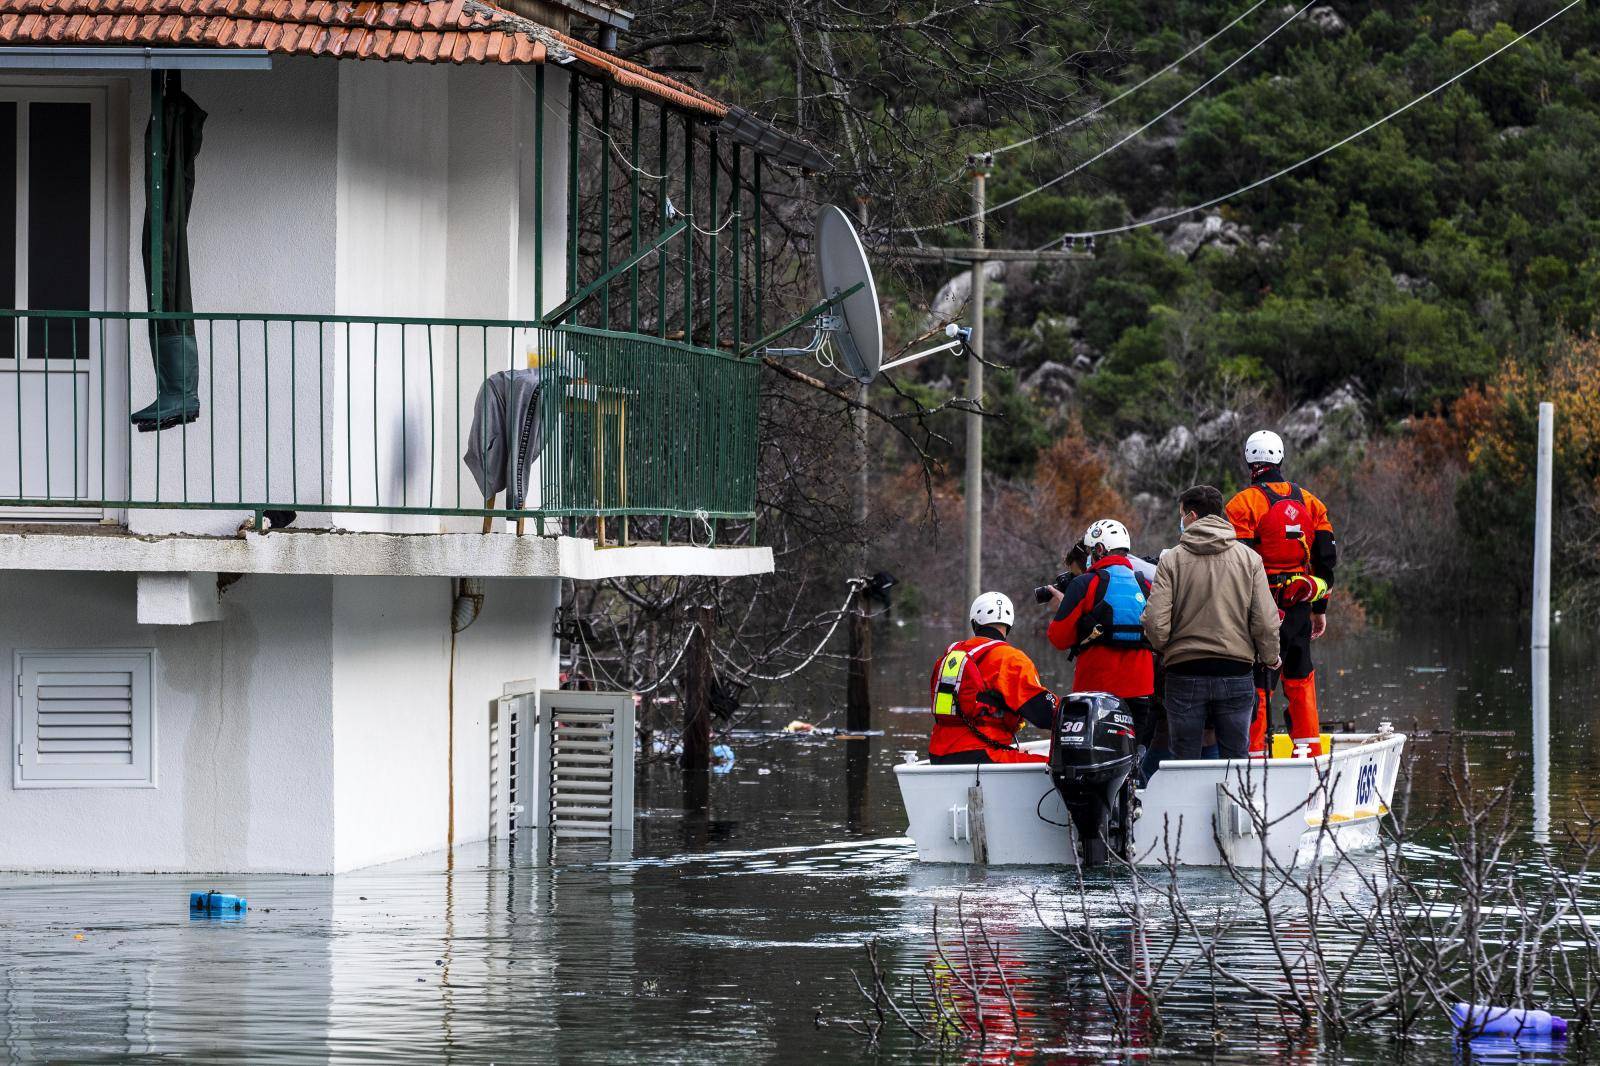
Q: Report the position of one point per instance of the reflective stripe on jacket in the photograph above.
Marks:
(998, 693)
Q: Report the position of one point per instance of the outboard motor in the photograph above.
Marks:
(1091, 755)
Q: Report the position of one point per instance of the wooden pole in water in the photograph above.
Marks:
(858, 679)
(1541, 625)
(697, 693)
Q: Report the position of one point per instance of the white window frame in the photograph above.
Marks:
(103, 372)
(141, 663)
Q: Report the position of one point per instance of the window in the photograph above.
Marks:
(85, 719)
(48, 198)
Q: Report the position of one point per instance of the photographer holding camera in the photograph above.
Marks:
(1098, 620)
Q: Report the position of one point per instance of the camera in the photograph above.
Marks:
(1042, 593)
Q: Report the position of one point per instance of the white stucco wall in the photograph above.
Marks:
(244, 727)
(304, 732)
(359, 189)
(261, 240)
(394, 145)
(435, 222)
(390, 694)
(481, 268)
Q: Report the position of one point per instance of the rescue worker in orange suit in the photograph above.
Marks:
(1289, 527)
(1098, 618)
(985, 690)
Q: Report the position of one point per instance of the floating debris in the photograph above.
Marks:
(218, 902)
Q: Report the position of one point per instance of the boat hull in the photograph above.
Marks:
(1199, 812)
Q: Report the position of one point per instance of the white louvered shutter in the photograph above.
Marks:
(583, 764)
(85, 719)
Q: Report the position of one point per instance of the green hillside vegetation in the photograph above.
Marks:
(1448, 254)
(1416, 262)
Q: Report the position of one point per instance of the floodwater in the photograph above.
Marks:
(731, 927)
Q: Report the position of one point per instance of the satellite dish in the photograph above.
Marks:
(847, 318)
(842, 266)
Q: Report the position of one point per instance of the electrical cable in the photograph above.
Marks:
(626, 163)
(747, 675)
(1059, 178)
(662, 677)
(1129, 227)
(1038, 809)
(1093, 111)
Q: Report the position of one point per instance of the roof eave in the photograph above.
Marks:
(773, 143)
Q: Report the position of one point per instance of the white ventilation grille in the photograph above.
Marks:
(508, 716)
(82, 722)
(569, 768)
(583, 755)
(84, 719)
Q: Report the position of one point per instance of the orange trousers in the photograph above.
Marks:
(1299, 680)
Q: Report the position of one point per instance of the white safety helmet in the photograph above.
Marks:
(1109, 534)
(992, 609)
(1264, 446)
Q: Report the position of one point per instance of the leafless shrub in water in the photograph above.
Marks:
(964, 995)
(1381, 940)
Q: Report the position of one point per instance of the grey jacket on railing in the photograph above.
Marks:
(505, 435)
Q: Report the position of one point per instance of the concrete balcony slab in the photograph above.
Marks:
(291, 551)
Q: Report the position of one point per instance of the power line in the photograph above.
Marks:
(1083, 234)
(1093, 111)
(1059, 178)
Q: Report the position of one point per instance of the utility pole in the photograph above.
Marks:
(858, 678)
(861, 427)
(974, 480)
(980, 256)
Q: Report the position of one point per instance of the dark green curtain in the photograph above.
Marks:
(182, 123)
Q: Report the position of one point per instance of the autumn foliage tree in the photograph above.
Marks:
(1494, 503)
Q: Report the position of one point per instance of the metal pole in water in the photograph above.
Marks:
(1541, 626)
(974, 472)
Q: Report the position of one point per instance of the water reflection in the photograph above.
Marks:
(740, 912)
(857, 784)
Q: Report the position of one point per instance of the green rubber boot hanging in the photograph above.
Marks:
(173, 345)
(177, 400)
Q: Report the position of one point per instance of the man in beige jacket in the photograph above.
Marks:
(1212, 619)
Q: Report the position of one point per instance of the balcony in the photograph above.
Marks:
(364, 424)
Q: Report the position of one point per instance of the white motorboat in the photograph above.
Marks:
(1292, 810)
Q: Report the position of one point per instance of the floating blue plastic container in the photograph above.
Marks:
(215, 902)
(1508, 1021)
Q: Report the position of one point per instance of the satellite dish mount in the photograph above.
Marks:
(847, 330)
(824, 324)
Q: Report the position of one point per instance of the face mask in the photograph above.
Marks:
(1182, 528)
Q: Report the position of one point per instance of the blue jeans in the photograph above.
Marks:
(1228, 701)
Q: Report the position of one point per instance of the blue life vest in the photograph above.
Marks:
(1118, 611)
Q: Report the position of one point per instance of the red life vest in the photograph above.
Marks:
(1282, 536)
(974, 715)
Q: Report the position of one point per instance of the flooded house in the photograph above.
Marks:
(315, 389)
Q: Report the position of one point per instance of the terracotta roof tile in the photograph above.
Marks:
(456, 31)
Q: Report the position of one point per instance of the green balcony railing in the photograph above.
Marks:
(348, 419)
